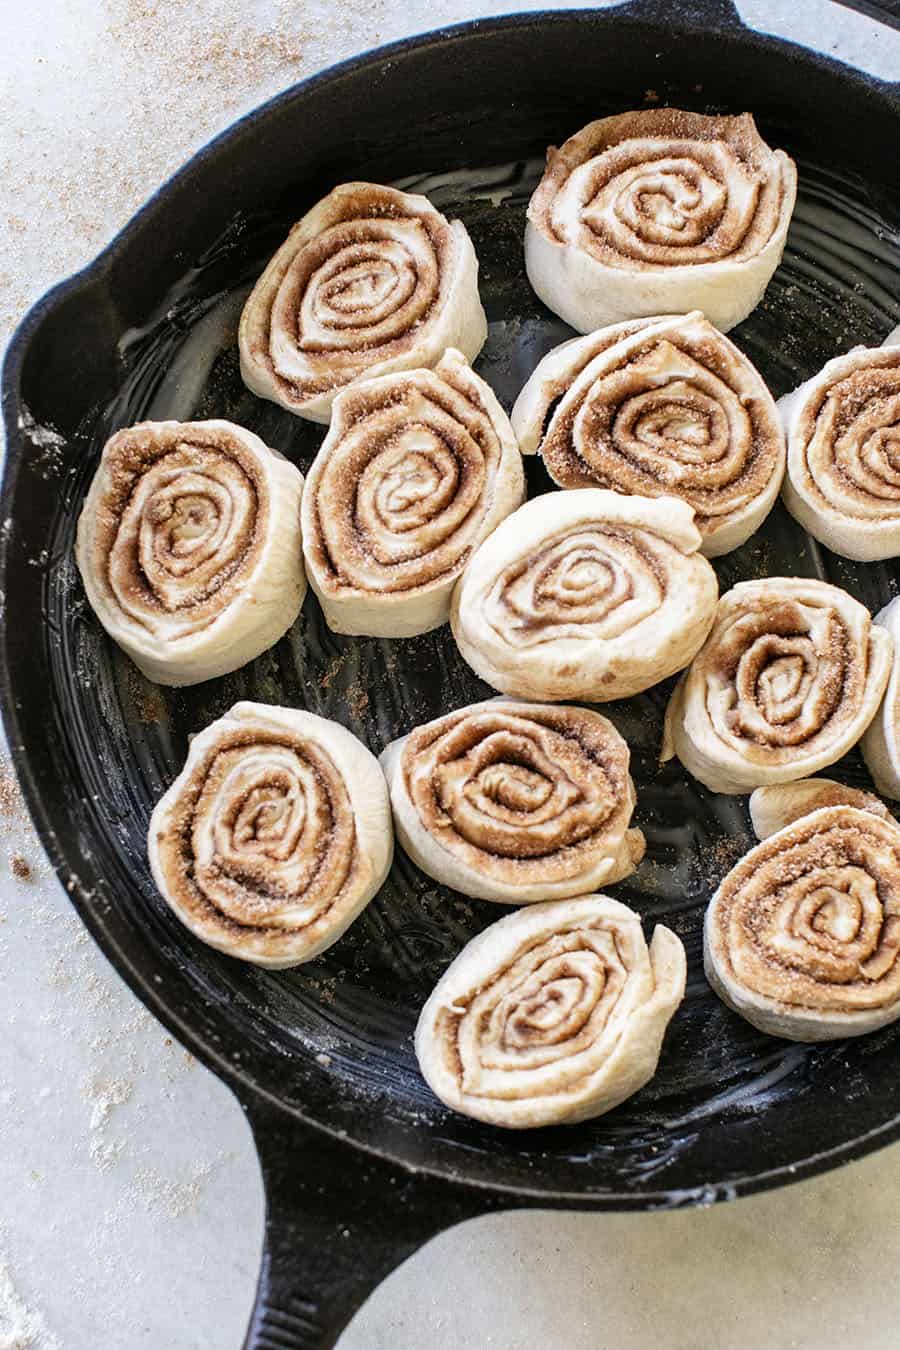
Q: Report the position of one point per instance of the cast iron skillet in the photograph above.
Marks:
(361, 1164)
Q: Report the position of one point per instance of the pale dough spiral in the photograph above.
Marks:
(274, 836)
(554, 1014)
(189, 547)
(659, 407)
(370, 281)
(843, 467)
(802, 938)
(585, 595)
(789, 678)
(660, 211)
(514, 802)
(771, 808)
(881, 743)
(415, 471)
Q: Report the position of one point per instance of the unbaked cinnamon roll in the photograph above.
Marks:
(415, 471)
(843, 470)
(275, 835)
(787, 681)
(802, 938)
(189, 547)
(881, 743)
(514, 802)
(585, 595)
(772, 808)
(656, 212)
(554, 1014)
(659, 407)
(370, 281)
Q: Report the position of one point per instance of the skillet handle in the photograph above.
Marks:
(721, 15)
(337, 1222)
(714, 16)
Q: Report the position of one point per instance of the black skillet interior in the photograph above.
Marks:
(149, 331)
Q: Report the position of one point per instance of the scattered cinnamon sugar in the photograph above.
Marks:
(760, 562)
(183, 72)
(716, 859)
(146, 698)
(11, 803)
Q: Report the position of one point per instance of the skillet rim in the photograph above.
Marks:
(151, 989)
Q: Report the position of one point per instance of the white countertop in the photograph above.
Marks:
(130, 1201)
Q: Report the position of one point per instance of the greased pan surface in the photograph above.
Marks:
(149, 331)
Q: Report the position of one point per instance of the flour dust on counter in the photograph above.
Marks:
(21, 1327)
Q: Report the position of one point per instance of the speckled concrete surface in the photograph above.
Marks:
(130, 1201)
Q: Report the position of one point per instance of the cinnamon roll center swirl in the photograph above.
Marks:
(552, 1006)
(187, 524)
(665, 203)
(408, 490)
(402, 496)
(358, 285)
(830, 927)
(834, 920)
(507, 795)
(547, 1007)
(813, 916)
(578, 579)
(665, 417)
(269, 834)
(854, 450)
(597, 581)
(788, 670)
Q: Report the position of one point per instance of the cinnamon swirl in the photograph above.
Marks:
(369, 282)
(660, 211)
(659, 407)
(514, 802)
(189, 548)
(274, 836)
(787, 681)
(843, 468)
(554, 1014)
(585, 595)
(415, 471)
(802, 938)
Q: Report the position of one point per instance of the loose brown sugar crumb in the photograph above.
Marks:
(20, 867)
(333, 670)
(358, 700)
